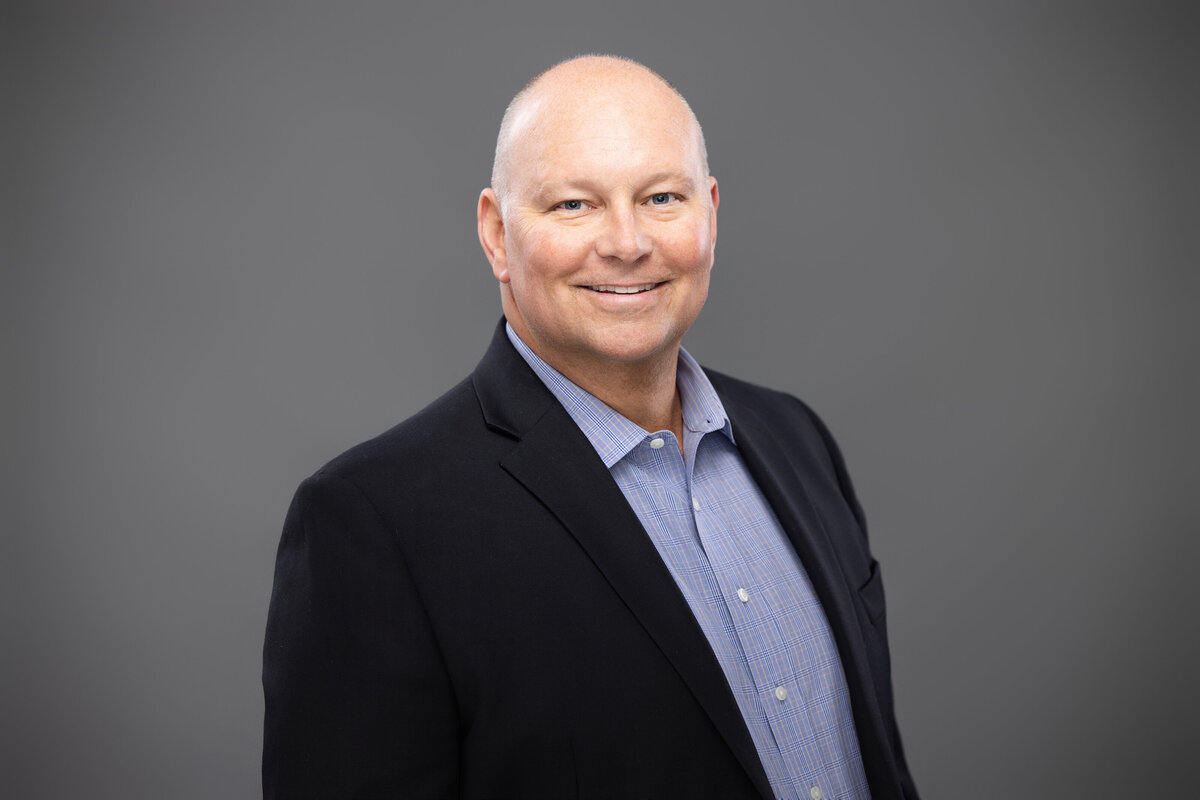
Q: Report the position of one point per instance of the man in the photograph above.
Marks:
(591, 569)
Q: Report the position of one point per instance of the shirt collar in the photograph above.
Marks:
(613, 435)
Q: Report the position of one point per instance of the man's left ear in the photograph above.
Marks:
(716, 201)
(491, 233)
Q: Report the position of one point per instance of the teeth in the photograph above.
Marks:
(645, 287)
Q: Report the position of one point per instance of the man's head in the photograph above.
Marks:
(600, 224)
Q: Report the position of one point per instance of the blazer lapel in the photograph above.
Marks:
(556, 462)
(778, 477)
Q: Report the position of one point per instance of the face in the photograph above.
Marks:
(605, 243)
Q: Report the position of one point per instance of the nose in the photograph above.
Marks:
(622, 237)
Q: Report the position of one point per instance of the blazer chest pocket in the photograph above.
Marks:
(871, 594)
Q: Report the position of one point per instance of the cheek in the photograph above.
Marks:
(693, 249)
(550, 254)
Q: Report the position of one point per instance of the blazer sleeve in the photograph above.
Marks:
(872, 592)
(358, 702)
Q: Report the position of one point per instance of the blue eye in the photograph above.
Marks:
(662, 198)
(571, 205)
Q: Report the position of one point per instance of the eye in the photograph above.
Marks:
(662, 198)
(571, 205)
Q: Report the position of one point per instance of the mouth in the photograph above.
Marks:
(612, 289)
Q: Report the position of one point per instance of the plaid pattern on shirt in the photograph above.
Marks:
(739, 574)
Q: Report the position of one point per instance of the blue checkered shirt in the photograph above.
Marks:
(739, 574)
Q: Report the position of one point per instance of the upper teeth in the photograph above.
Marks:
(645, 287)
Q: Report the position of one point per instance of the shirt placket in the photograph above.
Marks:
(770, 654)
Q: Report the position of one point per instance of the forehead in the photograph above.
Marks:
(607, 129)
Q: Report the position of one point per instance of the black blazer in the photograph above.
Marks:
(466, 606)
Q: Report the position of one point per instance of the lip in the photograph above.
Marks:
(622, 289)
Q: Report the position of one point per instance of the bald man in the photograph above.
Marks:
(592, 569)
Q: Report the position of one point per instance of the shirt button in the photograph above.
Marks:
(695, 504)
(743, 595)
(657, 442)
(815, 793)
(780, 693)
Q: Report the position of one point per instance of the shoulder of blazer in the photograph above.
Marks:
(788, 416)
(447, 417)
(754, 408)
(475, 422)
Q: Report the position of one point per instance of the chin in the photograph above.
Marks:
(628, 347)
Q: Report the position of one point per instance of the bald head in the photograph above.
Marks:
(586, 85)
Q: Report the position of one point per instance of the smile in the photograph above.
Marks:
(645, 287)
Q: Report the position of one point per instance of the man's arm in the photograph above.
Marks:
(847, 489)
(357, 698)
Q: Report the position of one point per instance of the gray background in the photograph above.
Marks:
(239, 238)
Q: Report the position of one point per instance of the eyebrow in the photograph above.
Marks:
(547, 188)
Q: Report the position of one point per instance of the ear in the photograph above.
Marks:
(716, 201)
(491, 233)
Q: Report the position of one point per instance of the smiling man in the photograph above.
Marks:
(592, 569)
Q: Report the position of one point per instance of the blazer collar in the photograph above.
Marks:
(554, 461)
(511, 395)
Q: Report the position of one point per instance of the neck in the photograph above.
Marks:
(644, 394)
